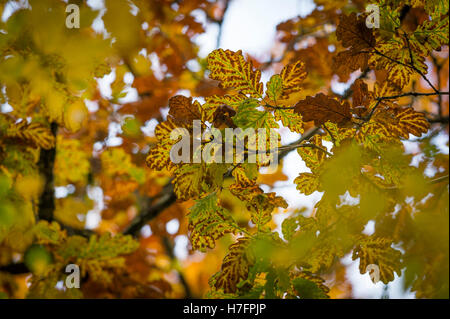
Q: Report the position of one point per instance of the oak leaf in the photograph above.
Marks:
(378, 251)
(360, 41)
(235, 266)
(231, 69)
(322, 108)
(307, 183)
(208, 221)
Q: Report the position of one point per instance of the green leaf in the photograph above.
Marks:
(308, 289)
(274, 87)
(248, 116)
(208, 221)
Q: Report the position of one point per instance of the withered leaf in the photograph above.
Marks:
(322, 108)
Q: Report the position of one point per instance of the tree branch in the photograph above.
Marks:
(306, 136)
(15, 269)
(169, 250)
(393, 97)
(166, 199)
(441, 119)
(220, 23)
(46, 164)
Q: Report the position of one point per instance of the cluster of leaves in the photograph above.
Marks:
(353, 145)
(366, 161)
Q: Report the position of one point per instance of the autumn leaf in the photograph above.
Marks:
(208, 221)
(292, 76)
(248, 116)
(338, 134)
(245, 193)
(307, 183)
(397, 122)
(35, 133)
(193, 180)
(183, 110)
(274, 88)
(354, 35)
(361, 98)
(159, 155)
(378, 251)
(290, 119)
(431, 35)
(308, 286)
(89, 120)
(313, 156)
(284, 89)
(261, 207)
(322, 108)
(409, 122)
(233, 71)
(235, 266)
(245, 174)
(233, 101)
(395, 57)
(68, 155)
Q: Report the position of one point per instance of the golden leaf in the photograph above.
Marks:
(245, 174)
(233, 101)
(313, 156)
(35, 133)
(159, 155)
(245, 193)
(191, 181)
(69, 154)
(261, 207)
(235, 266)
(231, 69)
(378, 251)
(290, 119)
(307, 183)
(208, 221)
(292, 76)
(409, 122)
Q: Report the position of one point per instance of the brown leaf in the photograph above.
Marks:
(183, 111)
(322, 108)
(359, 40)
(361, 98)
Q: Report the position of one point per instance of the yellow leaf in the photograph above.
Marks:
(410, 122)
(378, 251)
(75, 116)
(33, 132)
(29, 186)
(235, 266)
(245, 193)
(231, 100)
(191, 181)
(307, 183)
(208, 221)
(159, 155)
(292, 76)
(70, 154)
(313, 156)
(231, 69)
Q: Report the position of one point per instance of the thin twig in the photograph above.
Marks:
(170, 252)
